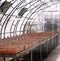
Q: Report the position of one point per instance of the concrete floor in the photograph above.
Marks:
(55, 55)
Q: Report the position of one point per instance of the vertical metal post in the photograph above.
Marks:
(50, 45)
(4, 58)
(41, 53)
(55, 40)
(47, 47)
(15, 58)
(31, 56)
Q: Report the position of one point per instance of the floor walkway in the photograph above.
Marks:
(55, 55)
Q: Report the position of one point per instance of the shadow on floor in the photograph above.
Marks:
(55, 55)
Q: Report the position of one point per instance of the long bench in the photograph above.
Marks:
(19, 45)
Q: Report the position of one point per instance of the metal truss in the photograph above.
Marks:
(34, 7)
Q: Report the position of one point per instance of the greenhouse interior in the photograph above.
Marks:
(29, 30)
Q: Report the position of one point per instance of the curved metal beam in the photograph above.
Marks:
(28, 10)
(11, 15)
(8, 17)
(7, 22)
(33, 13)
(16, 26)
(5, 13)
(14, 20)
(30, 16)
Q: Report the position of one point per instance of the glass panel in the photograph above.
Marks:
(27, 1)
(5, 6)
(58, 7)
(23, 10)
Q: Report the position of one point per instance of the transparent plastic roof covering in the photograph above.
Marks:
(14, 23)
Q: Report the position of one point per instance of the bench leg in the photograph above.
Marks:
(31, 56)
(4, 58)
(15, 58)
(41, 53)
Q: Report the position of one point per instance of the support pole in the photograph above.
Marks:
(41, 53)
(31, 56)
(4, 58)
